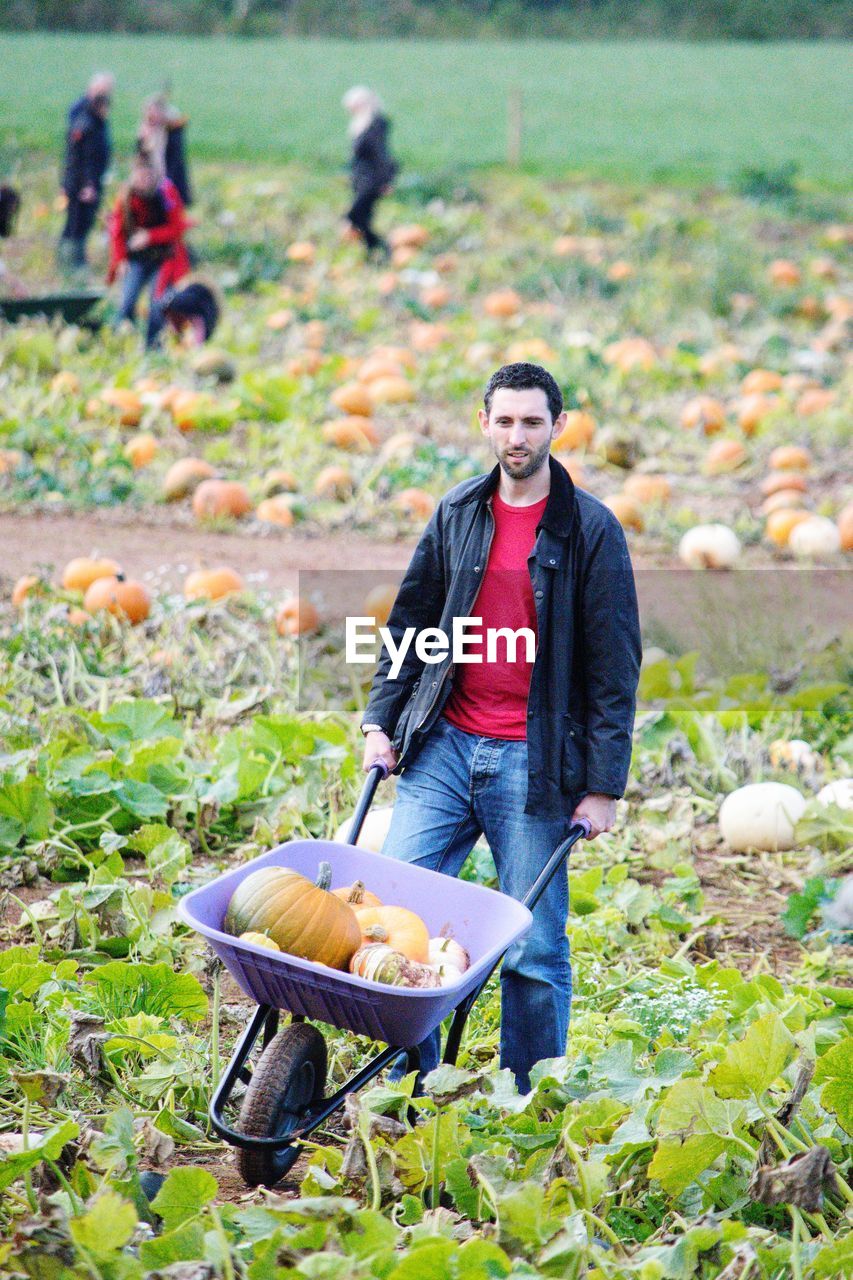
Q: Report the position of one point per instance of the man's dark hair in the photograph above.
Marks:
(523, 377)
(10, 202)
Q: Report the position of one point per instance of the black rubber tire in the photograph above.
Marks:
(289, 1077)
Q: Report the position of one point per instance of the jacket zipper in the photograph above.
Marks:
(450, 667)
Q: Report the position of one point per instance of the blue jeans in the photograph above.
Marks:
(458, 787)
(136, 277)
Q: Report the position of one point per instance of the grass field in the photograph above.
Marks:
(644, 111)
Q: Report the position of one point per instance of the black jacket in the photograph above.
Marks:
(371, 166)
(88, 147)
(584, 680)
(175, 159)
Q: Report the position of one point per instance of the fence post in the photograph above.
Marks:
(514, 126)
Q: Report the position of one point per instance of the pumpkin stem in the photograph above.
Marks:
(356, 893)
(376, 933)
(324, 875)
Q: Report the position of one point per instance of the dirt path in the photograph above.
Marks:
(170, 550)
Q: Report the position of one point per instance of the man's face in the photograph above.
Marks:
(101, 104)
(520, 430)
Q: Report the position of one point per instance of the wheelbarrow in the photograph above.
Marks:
(285, 1099)
(72, 308)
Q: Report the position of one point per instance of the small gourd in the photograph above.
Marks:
(260, 940)
(304, 919)
(377, 962)
(357, 896)
(400, 928)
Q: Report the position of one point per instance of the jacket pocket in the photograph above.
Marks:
(573, 759)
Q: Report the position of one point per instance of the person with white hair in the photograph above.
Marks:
(88, 147)
(372, 168)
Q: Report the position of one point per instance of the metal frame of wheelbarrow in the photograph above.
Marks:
(266, 1019)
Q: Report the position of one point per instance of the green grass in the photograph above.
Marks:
(642, 111)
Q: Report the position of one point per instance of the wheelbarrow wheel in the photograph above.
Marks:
(289, 1077)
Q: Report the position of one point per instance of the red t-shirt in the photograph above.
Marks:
(489, 698)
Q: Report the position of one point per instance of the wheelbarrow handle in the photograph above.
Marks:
(377, 773)
(578, 831)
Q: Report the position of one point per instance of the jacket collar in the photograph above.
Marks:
(559, 511)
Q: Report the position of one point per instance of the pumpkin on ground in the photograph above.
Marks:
(417, 504)
(353, 398)
(399, 927)
(184, 477)
(502, 304)
(22, 588)
(335, 483)
(302, 918)
(577, 433)
(276, 510)
(141, 449)
(648, 489)
(296, 617)
(374, 829)
(82, 571)
(762, 815)
(709, 546)
(212, 584)
(705, 412)
(217, 498)
(815, 538)
(122, 597)
(379, 602)
(353, 432)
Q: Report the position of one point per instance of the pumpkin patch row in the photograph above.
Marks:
(347, 929)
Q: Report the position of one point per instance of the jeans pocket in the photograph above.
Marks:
(573, 759)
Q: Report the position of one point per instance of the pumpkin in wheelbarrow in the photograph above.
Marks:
(304, 919)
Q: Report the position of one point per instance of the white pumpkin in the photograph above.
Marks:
(815, 539)
(839, 793)
(373, 832)
(762, 815)
(709, 546)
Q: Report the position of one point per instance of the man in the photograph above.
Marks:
(162, 135)
(87, 156)
(518, 749)
(146, 229)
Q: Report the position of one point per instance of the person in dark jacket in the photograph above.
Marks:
(88, 148)
(536, 736)
(162, 135)
(372, 169)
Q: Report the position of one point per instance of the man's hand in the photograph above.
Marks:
(88, 195)
(139, 240)
(599, 811)
(377, 746)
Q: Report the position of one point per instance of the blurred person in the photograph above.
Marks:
(191, 309)
(88, 147)
(372, 168)
(146, 228)
(162, 135)
(10, 203)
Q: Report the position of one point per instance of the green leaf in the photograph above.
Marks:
(25, 812)
(835, 1071)
(751, 1065)
(106, 1226)
(48, 1147)
(183, 1195)
(678, 1162)
(802, 906)
(141, 799)
(835, 1259)
(429, 1261)
(184, 1244)
(371, 1233)
(482, 1260)
(125, 989)
(694, 1127)
(526, 1218)
(137, 720)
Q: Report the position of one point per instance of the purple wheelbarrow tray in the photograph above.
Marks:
(485, 922)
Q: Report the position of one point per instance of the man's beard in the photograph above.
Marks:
(523, 470)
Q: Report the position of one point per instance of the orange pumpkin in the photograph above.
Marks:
(217, 498)
(781, 522)
(140, 450)
(357, 896)
(628, 354)
(353, 398)
(22, 588)
(577, 433)
(334, 482)
(414, 503)
(127, 404)
(391, 390)
(502, 304)
(845, 527)
(279, 481)
(302, 918)
(723, 456)
(354, 433)
(302, 251)
(435, 296)
(65, 383)
(411, 236)
(648, 489)
(276, 510)
(777, 480)
(752, 410)
(81, 572)
(379, 602)
(760, 381)
(400, 928)
(626, 511)
(705, 412)
(814, 400)
(784, 273)
(380, 366)
(296, 617)
(790, 457)
(781, 499)
(184, 476)
(122, 597)
(212, 584)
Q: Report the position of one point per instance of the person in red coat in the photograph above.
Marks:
(146, 229)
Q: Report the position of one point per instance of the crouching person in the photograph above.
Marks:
(147, 228)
